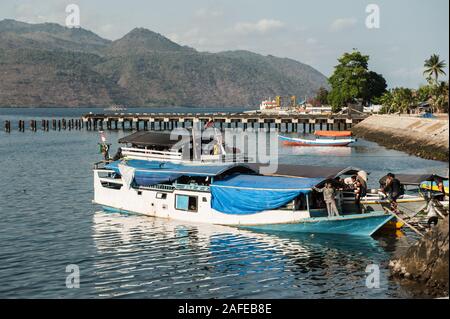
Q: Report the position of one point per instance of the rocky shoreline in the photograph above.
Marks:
(424, 266)
(425, 138)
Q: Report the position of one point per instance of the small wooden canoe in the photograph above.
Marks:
(333, 133)
(291, 141)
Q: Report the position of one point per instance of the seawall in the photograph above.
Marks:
(426, 138)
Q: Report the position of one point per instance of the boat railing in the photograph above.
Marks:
(192, 187)
(176, 186)
(225, 158)
(146, 153)
(162, 187)
(101, 165)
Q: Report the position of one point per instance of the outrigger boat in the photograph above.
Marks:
(229, 194)
(415, 198)
(323, 138)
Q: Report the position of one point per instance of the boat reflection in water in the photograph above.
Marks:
(155, 258)
(318, 151)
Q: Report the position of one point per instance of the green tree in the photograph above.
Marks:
(375, 88)
(386, 101)
(439, 97)
(398, 100)
(349, 79)
(433, 68)
(423, 94)
(322, 96)
(352, 80)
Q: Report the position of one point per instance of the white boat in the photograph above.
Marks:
(323, 138)
(115, 108)
(178, 148)
(224, 194)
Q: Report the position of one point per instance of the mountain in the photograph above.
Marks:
(48, 36)
(144, 41)
(51, 65)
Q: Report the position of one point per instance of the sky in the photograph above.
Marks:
(315, 32)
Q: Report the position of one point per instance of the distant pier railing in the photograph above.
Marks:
(168, 121)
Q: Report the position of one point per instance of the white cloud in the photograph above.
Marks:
(311, 41)
(262, 26)
(343, 23)
(192, 37)
(208, 13)
(32, 12)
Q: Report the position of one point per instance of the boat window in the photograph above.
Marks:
(111, 185)
(204, 199)
(161, 195)
(185, 202)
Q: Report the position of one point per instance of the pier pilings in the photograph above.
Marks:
(301, 123)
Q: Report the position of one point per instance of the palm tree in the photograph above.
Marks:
(434, 67)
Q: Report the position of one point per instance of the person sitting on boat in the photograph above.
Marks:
(392, 189)
(104, 149)
(118, 154)
(362, 177)
(329, 197)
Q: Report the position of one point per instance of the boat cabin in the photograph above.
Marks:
(178, 147)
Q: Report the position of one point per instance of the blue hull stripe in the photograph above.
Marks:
(358, 225)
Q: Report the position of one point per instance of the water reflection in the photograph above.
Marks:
(318, 150)
(147, 257)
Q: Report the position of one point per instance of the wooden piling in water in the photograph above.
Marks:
(8, 126)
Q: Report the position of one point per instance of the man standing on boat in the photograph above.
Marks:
(359, 190)
(329, 196)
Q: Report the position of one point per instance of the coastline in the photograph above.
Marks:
(423, 268)
(425, 138)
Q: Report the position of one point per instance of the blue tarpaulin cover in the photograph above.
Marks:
(428, 116)
(249, 194)
(149, 173)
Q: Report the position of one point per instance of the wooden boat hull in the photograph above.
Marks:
(357, 225)
(290, 141)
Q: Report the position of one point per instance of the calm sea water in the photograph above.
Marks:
(48, 222)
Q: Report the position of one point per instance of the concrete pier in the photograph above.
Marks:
(289, 123)
(169, 121)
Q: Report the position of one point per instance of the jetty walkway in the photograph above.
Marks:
(168, 121)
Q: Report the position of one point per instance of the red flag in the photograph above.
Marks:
(209, 124)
